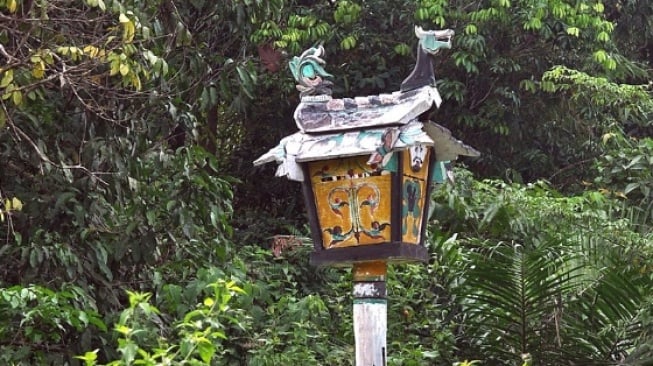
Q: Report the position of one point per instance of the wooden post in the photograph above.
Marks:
(370, 313)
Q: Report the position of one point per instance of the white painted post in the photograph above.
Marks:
(370, 313)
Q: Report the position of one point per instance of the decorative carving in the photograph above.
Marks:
(410, 207)
(352, 201)
(352, 192)
(415, 189)
(383, 154)
(369, 162)
(308, 72)
(430, 42)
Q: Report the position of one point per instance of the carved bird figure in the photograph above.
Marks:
(337, 204)
(376, 231)
(337, 235)
(371, 201)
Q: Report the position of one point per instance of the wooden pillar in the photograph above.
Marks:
(370, 313)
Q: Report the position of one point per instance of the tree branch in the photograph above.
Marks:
(44, 158)
(9, 57)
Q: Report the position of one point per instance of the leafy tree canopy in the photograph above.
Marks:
(122, 125)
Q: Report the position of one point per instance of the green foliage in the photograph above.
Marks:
(120, 122)
(35, 318)
(422, 308)
(498, 81)
(195, 339)
(627, 168)
(543, 270)
(602, 100)
(107, 232)
(293, 309)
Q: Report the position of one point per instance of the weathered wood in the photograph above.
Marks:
(313, 221)
(390, 252)
(370, 324)
(326, 115)
(300, 147)
(370, 313)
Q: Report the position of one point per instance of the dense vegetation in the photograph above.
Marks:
(134, 229)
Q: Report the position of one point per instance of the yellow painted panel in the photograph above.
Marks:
(353, 206)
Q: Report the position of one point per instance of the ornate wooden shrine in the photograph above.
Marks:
(368, 163)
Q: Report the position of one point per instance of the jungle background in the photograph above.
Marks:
(135, 230)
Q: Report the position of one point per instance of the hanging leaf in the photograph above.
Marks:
(39, 70)
(16, 204)
(206, 350)
(128, 28)
(17, 97)
(246, 81)
(573, 31)
(124, 69)
(7, 78)
(12, 5)
(91, 51)
(136, 81)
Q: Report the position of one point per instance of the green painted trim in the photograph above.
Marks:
(371, 301)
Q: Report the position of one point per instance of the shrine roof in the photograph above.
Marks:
(301, 147)
(323, 114)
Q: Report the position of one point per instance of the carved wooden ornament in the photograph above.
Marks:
(368, 163)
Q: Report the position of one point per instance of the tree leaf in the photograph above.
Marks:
(124, 69)
(206, 350)
(16, 204)
(208, 302)
(631, 187)
(7, 78)
(89, 358)
(115, 67)
(12, 5)
(17, 97)
(129, 30)
(39, 70)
